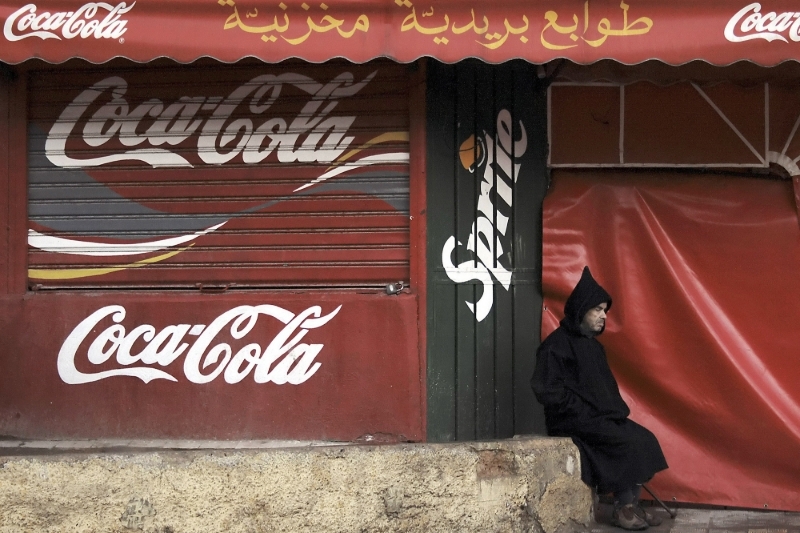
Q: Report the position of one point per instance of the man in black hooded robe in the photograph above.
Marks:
(581, 400)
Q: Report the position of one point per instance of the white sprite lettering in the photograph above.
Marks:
(484, 243)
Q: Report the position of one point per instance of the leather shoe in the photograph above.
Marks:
(625, 516)
(650, 518)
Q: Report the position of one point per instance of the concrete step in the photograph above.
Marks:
(528, 484)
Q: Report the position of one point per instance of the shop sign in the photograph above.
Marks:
(84, 22)
(749, 23)
(487, 241)
(174, 122)
(285, 359)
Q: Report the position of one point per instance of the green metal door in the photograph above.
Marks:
(487, 176)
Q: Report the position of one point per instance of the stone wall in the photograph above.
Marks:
(529, 484)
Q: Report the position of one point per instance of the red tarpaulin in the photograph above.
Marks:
(450, 30)
(704, 332)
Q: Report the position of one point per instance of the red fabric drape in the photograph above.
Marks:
(796, 182)
(704, 335)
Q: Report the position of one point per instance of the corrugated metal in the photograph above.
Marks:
(247, 175)
(484, 248)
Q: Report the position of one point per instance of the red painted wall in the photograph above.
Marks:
(367, 380)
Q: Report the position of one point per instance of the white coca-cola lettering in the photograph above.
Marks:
(284, 360)
(749, 23)
(153, 124)
(28, 22)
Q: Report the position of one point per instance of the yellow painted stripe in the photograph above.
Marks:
(382, 138)
(60, 274)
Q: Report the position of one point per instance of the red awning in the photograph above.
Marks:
(632, 31)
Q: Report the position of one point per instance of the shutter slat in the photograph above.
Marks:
(115, 203)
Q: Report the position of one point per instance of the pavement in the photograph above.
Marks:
(707, 520)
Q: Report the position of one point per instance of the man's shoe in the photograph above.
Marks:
(650, 518)
(625, 517)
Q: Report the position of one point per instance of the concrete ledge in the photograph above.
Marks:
(529, 484)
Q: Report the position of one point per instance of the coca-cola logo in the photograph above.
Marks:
(313, 135)
(206, 357)
(749, 23)
(84, 22)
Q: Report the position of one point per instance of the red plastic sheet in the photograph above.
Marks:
(704, 333)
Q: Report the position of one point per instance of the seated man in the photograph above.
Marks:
(581, 400)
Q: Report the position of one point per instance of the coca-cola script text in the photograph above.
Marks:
(284, 360)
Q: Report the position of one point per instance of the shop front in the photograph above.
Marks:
(207, 250)
(356, 221)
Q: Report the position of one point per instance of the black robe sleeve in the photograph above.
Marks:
(549, 383)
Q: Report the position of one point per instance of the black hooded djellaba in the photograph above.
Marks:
(581, 400)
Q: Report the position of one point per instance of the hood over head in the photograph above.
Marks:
(586, 295)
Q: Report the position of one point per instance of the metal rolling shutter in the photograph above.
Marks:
(291, 175)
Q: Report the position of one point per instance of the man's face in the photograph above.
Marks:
(595, 318)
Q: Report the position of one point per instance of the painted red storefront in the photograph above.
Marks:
(203, 202)
(184, 278)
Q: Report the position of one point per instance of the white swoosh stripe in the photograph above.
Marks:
(60, 245)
